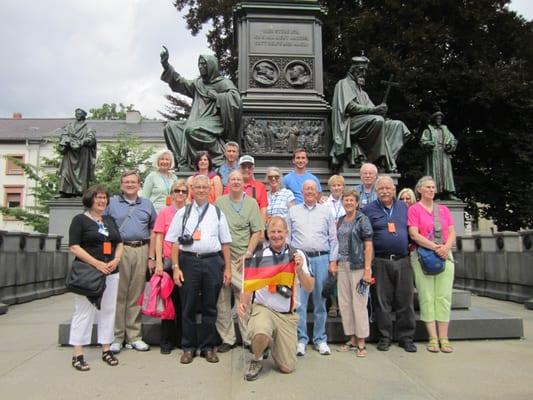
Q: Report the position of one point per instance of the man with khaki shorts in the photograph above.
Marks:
(272, 319)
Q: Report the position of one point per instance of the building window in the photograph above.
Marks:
(12, 199)
(11, 167)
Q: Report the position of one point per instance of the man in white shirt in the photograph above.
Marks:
(273, 320)
(201, 262)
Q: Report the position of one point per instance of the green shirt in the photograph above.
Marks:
(244, 219)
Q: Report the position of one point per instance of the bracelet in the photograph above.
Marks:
(151, 258)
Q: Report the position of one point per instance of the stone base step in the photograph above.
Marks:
(3, 308)
(475, 323)
(529, 304)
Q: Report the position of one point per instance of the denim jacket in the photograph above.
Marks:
(361, 232)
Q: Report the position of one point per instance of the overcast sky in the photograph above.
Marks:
(57, 55)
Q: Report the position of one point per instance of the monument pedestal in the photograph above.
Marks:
(281, 81)
(457, 208)
(61, 213)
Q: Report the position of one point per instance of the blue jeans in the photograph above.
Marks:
(319, 267)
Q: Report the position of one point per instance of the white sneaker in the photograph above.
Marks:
(139, 345)
(115, 347)
(323, 349)
(300, 349)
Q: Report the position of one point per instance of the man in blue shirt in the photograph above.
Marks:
(135, 217)
(231, 154)
(367, 189)
(294, 180)
(392, 269)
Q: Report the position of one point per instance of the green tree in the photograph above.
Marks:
(177, 108)
(126, 152)
(470, 58)
(110, 111)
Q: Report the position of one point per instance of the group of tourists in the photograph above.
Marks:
(201, 232)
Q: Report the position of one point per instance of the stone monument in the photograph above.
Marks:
(77, 145)
(280, 78)
(215, 114)
(439, 144)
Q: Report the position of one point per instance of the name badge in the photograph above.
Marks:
(107, 248)
(196, 235)
(391, 227)
(168, 201)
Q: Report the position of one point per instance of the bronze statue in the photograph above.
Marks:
(77, 144)
(359, 127)
(439, 144)
(215, 114)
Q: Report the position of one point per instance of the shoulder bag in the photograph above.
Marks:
(431, 263)
(85, 280)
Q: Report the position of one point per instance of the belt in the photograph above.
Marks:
(393, 257)
(201, 255)
(136, 243)
(316, 253)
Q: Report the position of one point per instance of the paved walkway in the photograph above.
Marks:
(33, 366)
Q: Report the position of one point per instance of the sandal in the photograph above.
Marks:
(360, 351)
(78, 362)
(348, 346)
(109, 358)
(445, 346)
(433, 345)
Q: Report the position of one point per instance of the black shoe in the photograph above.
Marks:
(224, 348)
(408, 345)
(383, 344)
(165, 348)
(253, 370)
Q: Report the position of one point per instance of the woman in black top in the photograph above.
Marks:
(95, 239)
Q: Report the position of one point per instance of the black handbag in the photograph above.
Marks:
(85, 280)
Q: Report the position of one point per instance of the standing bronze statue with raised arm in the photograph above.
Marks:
(77, 145)
(360, 131)
(215, 114)
(440, 144)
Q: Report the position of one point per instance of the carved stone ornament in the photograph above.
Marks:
(283, 136)
(265, 72)
(297, 73)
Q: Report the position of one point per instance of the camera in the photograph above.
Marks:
(285, 291)
(185, 240)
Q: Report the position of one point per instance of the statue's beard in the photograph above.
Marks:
(361, 81)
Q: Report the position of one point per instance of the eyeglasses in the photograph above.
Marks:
(273, 177)
(182, 191)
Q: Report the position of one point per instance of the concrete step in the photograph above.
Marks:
(475, 323)
(3, 308)
(529, 304)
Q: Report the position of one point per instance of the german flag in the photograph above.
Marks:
(271, 270)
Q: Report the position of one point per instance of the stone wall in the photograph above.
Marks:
(498, 265)
(32, 266)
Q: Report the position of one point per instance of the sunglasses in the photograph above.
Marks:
(182, 191)
(273, 177)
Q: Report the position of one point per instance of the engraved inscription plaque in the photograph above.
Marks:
(281, 38)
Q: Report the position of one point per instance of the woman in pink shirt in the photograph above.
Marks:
(170, 329)
(434, 291)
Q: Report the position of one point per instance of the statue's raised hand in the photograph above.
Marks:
(164, 58)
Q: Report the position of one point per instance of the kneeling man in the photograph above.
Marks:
(272, 320)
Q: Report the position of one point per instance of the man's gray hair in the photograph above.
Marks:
(383, 178)
(200, 178)
(309, 181)
(234, 144)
